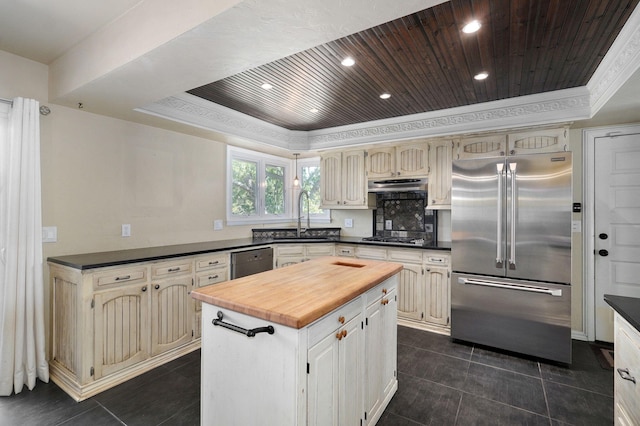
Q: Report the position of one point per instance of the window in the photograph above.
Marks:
(309, 174)
(258, 191)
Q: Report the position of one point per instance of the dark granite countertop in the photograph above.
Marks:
(123, 257)
(627, 307)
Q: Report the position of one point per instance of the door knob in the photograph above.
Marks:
(603, 252)
(603, 236)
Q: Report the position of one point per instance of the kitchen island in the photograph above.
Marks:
(312, 343)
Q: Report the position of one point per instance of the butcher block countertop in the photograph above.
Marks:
(299, 294)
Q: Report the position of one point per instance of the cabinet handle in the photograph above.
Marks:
(173, 269)
(384, 301)
(341, 319)
(157, 286)
(213, 277)
(339, 335)
(384, 291)
(214, 263)
(344, 333)
(624, 373)
(144, 288)
(126, 277)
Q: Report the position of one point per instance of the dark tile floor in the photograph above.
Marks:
(440, 383)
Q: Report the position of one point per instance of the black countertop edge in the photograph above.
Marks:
(123, 257)
(627, 307)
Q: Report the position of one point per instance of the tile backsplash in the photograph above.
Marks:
(404, 214)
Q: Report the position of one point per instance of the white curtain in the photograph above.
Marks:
(22, 342)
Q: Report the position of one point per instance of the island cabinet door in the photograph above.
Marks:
(380, 353)
(335, 376)
(121, 321)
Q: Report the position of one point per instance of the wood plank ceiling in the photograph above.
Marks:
(426, 63)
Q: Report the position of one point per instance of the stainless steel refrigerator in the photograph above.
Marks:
(511, 253)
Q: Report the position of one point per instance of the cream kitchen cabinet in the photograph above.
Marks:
(489, 145)
(172, 308)
(209, 269)
(627, 373)
(290, 254)
(439, 183)
(380, 370)
(113, 323)
(121, 328)
(423, 288)
(411, 283)
(336, 368)
(537, 141)
(402, 161)
(343, 180)
(343, 250)
(437, 297)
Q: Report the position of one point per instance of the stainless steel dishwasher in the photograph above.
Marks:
(249, 262)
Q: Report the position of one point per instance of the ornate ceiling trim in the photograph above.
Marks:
(546, 108)
(620, 62)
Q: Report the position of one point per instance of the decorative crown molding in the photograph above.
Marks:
(620, 62)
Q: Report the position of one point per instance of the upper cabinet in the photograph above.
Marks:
(406, 160)
(482, 146)
(525, 142)
(343, 180)
(548, 140)
(439, 186)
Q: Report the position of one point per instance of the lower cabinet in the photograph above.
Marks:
(114, 323)
(121, 318)
(627, 374)
(380, 335)
(290, 254)
(339, 370)
(335, 375)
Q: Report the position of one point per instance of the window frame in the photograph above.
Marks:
(325, 216)
(262, 160)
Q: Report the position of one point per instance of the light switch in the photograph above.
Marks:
(576, 226)
(348, 223)
(217, 224)
(49, 234)
(388, 224)
(126, 230)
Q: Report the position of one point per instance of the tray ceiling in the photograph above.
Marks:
(426, 63)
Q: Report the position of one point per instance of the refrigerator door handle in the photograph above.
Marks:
(499, 258)
(556, 292)
(512, 243)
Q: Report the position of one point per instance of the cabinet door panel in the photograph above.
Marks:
(437, 300)
(350, 373)
(121, 324)
(171, 314)
(381, 163)
(439, 186)
(354, 180)
(412, 160)
(322, 397)
(410, 292)
(331, 179)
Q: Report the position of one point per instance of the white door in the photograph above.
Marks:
(617, 225)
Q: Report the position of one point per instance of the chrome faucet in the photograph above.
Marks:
(300, 211)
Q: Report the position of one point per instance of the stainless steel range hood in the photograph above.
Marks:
(398, 185)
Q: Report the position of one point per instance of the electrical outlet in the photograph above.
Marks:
(217, 224)
(388, 224)
(126, 230)
(348, 223)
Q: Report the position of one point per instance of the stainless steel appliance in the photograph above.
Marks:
(249, 262)
(398, 185)
(511, 253)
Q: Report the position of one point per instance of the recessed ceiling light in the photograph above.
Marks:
(471, 27)
(348, 61)
(313, 110)
(267, 86)
(481, 76)
(385, 96)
